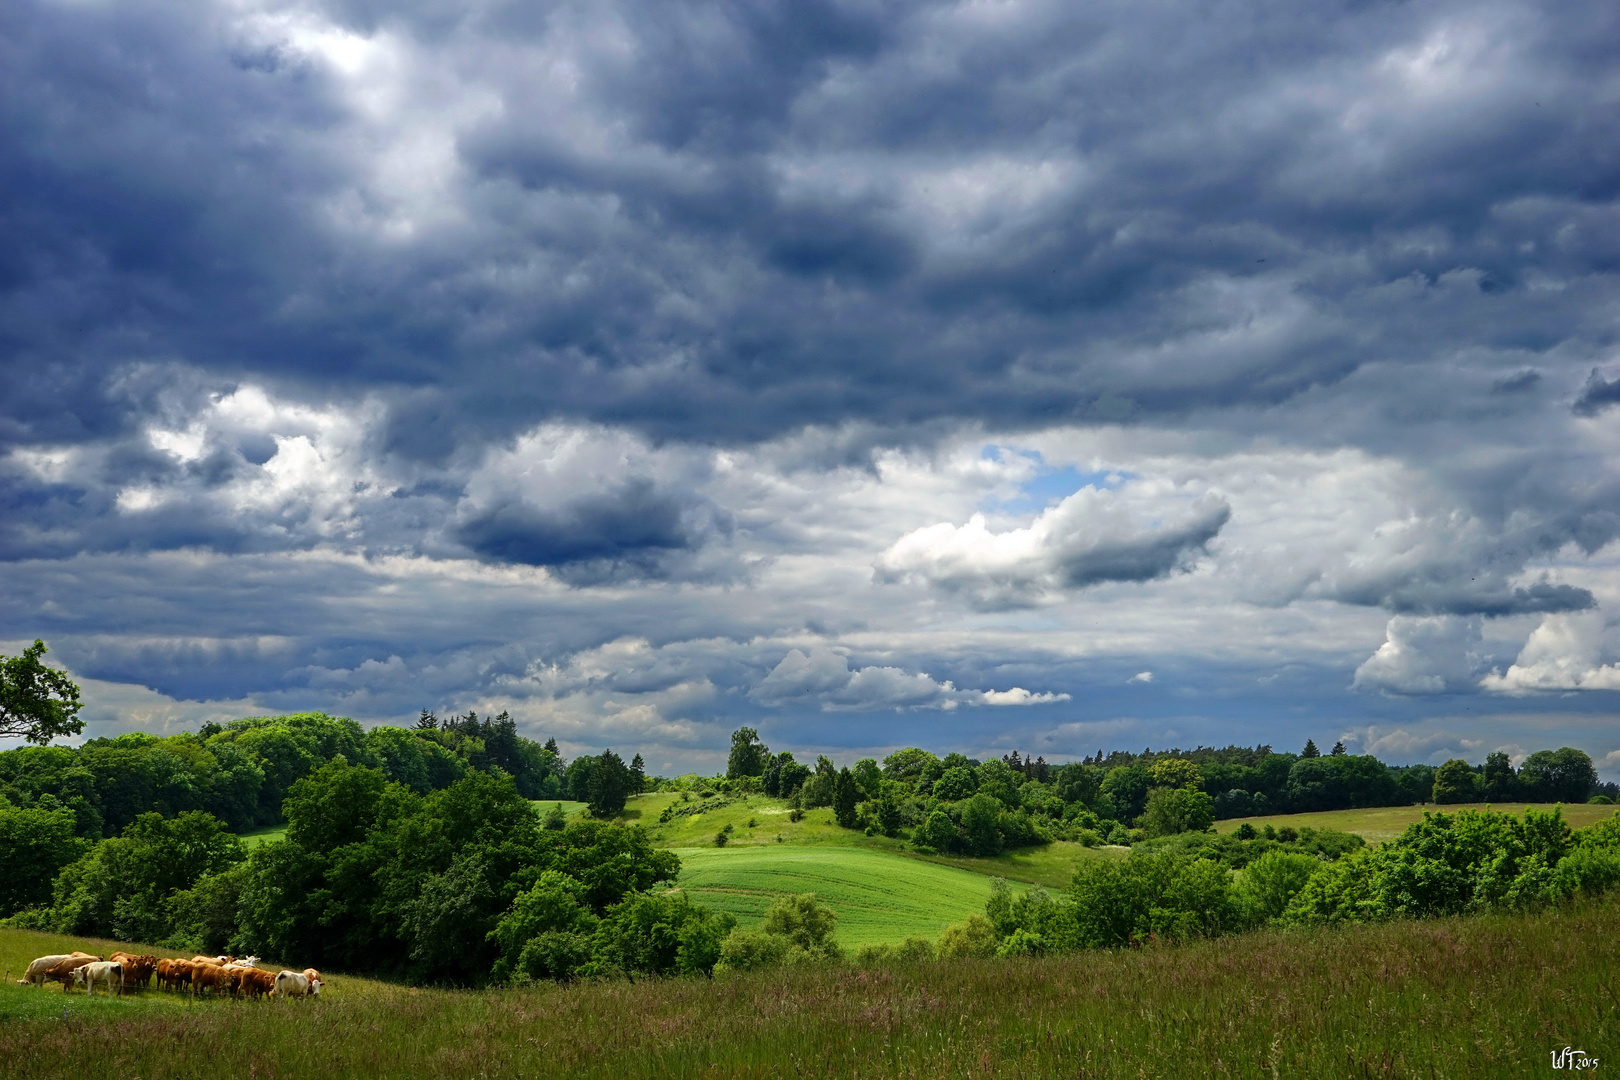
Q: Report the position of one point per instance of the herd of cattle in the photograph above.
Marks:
(221, 974)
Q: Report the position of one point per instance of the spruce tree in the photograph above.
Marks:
(1310, 749)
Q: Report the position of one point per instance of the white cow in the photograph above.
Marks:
(35, 975)
(292, 984)
(110, 972)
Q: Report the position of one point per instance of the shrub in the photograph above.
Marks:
(720, 838)
(972, 937)
(1272, 881)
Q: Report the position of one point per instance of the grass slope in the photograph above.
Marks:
(879, 896)
(1478, 997)
(1381, 823)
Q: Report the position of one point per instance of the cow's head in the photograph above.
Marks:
(78, 976)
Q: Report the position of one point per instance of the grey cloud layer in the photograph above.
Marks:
(526, 330)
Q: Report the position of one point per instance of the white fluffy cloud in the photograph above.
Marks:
(1563, 653)
(823, 677)
(1424, 655)
(1092, 536)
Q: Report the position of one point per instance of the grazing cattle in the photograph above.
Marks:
(35, 975)
(110, 972)
(214, 977)
(62, 971)
(256, 983)
(315, 982)
(173, 974)
(292, 984)
(137, 969)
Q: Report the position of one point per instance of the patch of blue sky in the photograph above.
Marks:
(1049, 485)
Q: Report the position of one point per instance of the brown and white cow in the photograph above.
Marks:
(62, 970)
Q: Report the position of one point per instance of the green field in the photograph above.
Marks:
(1487, 996)
(1382, 823)
(570, 809)
(879, 896)
(266, 835)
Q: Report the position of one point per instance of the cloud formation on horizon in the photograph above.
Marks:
(598, 360)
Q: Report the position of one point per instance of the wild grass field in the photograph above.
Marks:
(1381, 823)
(1485, 996)
(879, 896)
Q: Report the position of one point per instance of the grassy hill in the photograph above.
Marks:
(879, 896)
(1487, 996)
(1381, 823)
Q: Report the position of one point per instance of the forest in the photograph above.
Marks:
(429, 855)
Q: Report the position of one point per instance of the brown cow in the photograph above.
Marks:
(137, 969)
(256, 983)
(212, 976)
(62, 971)
(178, 974)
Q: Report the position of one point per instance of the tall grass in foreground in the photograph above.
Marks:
(1470, 997)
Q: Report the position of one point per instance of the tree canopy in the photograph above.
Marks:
(37, 703)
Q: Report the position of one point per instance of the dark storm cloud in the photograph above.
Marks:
(1387, 230)
(170, 195)
(1597, 395)
(628, 530)
(1146, 557)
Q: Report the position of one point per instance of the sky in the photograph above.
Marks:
(983, 376)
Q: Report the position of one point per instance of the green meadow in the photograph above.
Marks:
(1483, 996)
(1381, 823)
(879, 896)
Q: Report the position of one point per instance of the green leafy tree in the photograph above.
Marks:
(846, 794)
(1127, 787)
(1501, 782)
(546, 933)
(1177, 810)
(908, 765)
(955, 784)
(748, 754)
(980, 818)
(1176, 773)
(1455, 782)
(448, 924)
(37, 703)
(937, 832)
(1564, 775)
(35, 844)
(1269, 884)
(868, 778)
(609, 787)
(819, 788)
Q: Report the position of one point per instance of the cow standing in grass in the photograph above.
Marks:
(58, 968)
(110, 972)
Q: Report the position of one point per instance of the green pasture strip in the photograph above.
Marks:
(1050, 865)
(251, 840)
(1479, 997)
(542, 807)
(770, 817)
(879, 896)
(1380, 823)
